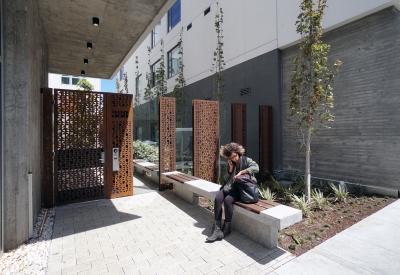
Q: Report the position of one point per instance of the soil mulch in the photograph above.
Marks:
(321, 225)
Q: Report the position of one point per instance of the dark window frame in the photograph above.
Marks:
(121, 74)
(64, 77)
(171, 23)
(169, 57)
(153, 72)
(153, 36)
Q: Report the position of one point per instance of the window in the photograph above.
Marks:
(121, 73)
(138, 84)
(174, 15)
(65, 79)
(154, 68)
(75, 80)
(206, 11)
(139, 133)
(156, 35)
(173, 62)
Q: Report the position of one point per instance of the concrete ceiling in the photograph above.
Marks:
(124, 24)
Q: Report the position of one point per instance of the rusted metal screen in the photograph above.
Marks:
(48, 195)
(167, 152)
(206, 139)
(120, 135)
(239, 123)
(266, 145)
(78, 143)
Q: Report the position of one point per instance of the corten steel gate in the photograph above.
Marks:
(239, 123)
(88, 126)
(266, 138)
(206, 139)
(167, 151)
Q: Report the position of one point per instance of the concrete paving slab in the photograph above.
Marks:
(376, 232)
(363, 254)
(319, 262)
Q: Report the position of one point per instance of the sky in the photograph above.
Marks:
(108, 85)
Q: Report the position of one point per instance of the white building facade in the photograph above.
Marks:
(259, 47)
(69, 82)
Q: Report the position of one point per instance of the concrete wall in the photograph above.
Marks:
(363, 145)
(25, 64)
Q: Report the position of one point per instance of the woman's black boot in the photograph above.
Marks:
(226, 229)
(217, 233)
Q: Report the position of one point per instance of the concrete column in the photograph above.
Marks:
(25, 71)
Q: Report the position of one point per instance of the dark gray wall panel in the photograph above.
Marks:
(363, 145)
(262, 74)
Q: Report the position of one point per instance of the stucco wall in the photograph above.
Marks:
(25, 71)
(363, 145)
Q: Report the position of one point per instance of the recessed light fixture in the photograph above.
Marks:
(86, 61)
(89, 45)
(82, 72)
(96, 21)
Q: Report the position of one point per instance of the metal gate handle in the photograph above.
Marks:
(103, 154)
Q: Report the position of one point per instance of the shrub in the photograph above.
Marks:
(144, 151)
(302, 204)
(319, 200)
(267, 193)
(292, 246)
(340, 193)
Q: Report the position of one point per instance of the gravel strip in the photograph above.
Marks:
(31, 258)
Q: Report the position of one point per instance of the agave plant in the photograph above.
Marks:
(267, 194)
(319, 200)
(302, 203)
(340, 193)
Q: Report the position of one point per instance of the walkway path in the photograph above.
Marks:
(150, 233)
(372, 246)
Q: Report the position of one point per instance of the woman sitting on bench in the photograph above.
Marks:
(241, 170)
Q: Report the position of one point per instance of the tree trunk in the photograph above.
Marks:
(307, 176)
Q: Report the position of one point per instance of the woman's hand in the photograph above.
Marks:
(237, 175)
(230, 164)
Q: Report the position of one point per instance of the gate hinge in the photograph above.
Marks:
(54, 154)
(53, 102)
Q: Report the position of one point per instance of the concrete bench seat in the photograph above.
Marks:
(260, 221)
(149, 169)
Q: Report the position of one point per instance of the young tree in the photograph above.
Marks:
(126, 82)
(311, 96)
(219, 65)
(85, 85)
(160, 87)
(137, 74)
(179, 88)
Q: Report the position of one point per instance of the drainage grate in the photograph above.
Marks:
(245, 91)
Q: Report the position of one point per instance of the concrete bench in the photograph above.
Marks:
(260, 221)
(151, 170)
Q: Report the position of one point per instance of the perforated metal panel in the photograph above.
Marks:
(78, 143)
(120, 126)
(266, 142)
(167, 152)
(239, 123)
(206, 139)
(48, 189)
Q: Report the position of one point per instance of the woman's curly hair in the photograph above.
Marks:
(227, 150)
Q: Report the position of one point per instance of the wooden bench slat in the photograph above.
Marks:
(182, 177)
(268, 203)
(252, 207)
